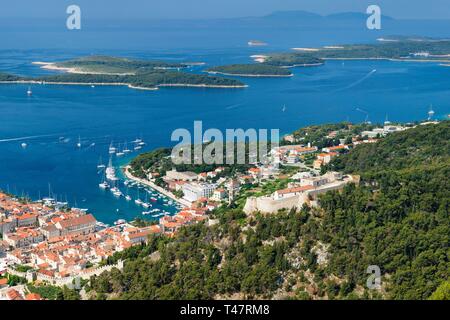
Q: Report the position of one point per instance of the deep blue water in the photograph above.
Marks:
(330, 93)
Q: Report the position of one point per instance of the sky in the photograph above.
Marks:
(192, 9)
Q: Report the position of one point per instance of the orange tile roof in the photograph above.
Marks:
(33, 296)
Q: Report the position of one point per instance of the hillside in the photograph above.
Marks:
(397, 219)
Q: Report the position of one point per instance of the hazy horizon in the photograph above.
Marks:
(213, 9)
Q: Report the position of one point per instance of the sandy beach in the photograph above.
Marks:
(52, 66)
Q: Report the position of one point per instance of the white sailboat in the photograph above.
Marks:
(100, 164)
(112, 149)
(111, 172)
(138, 201)
(29, 92)
(127, 197)
(119, 153)
(125, 149)
(79, 142)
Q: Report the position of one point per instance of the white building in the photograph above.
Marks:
(194, 191)
(182, 176)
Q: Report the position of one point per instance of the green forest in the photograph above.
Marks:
(251, 70)
(137, 73)
(397, 218)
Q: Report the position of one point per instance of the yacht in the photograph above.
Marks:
(146, 205)
(127, 197)
(79, 142)
(138, 201)
(100, 164)
(119, 222)
(112, 149)
(24, 145)
(104, 185)
(111, 172)
(119, 153)
(125, 149)
(116, 192)
(29, 92)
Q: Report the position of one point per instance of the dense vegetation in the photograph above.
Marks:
(292, 59)
(251, 70)
(397, 219)
(108, 64)
(137, 73)
(400, 49)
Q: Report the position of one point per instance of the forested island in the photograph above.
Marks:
(391, 48)
(398, 48)
(396, 218)
(251, 70)
(138, 74)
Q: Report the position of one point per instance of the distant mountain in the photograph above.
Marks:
(310, 16)
(300, 14)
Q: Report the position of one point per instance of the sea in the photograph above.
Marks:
(55, 118)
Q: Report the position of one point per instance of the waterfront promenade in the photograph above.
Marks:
(163, 191)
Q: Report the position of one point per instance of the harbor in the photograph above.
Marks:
(146, 182)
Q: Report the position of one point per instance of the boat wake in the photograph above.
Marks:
(354, 84)
(29, 137)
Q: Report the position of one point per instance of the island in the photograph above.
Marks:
(394, 48)
(389, 48)
(250, 70)
(137, 74)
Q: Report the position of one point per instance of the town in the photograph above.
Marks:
(49, 244)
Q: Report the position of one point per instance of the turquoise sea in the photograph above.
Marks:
(330, 93)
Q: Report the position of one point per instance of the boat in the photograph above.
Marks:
(116, 192)
(29, 92)
(127, 197)
(112, 149)
(138, 201)
(111, 172)
(257, 43)
(119, 153)
(79, 142)
(24, 145)
(104, 185)
(100, 164)
(125, 149)
(145, 212)
(119, 222)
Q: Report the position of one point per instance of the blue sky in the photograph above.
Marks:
(152, 9)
